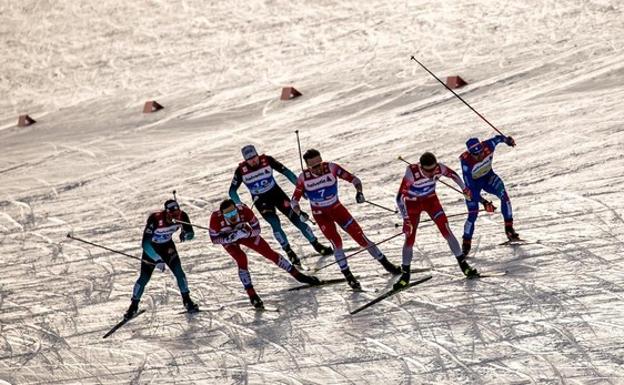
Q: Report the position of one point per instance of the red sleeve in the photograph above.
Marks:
(449, 173)
(408, 178)
(216, 236)
(252, 220)
(341, 173)
(299, 189)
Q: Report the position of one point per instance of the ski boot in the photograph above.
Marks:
(405, 278)
(292, 256)
(190, 306)
(132, 310)
(389, 266)
(466, 245)
(322, 249)
(307, 279)
(353, 283)
(469, 271)
(511, 233)
(256, 301)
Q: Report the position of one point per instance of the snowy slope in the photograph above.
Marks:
(550, 73)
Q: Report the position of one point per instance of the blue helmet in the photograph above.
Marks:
(474, 146)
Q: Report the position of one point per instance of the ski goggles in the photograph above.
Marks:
(230, 214)
(172, 206)
(474, 146)
(317, 167)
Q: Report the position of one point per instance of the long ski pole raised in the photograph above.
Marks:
(299, 147)
(108, 249)
(458, 97)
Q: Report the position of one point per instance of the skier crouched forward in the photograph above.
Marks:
(233, 226)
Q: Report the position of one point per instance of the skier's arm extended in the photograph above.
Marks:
(279, 167)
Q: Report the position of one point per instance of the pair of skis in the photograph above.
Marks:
(121, 323)
(376, 300)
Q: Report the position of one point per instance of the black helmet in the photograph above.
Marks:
(428, 159)
(171, 205)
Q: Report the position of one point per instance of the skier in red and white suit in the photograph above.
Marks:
(417, 194)
(319, 183)
(233, 226)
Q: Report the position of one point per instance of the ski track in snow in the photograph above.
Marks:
(549, 73)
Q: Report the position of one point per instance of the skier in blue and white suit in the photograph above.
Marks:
(476, 164)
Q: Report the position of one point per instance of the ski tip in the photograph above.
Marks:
(266, 309)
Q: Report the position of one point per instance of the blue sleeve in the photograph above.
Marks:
(466, 173)
(146, 243)
(290, 175)
(491, 143)
(234, 195)
(149, 249)
(236, 182)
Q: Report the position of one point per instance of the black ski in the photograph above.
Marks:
(191, 312)
(122, 323)
(266, 308)
(323, 283)
(389, 294)
(490, 274)
(513, 242)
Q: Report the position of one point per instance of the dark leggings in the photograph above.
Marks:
(269, 203)
(169, 254)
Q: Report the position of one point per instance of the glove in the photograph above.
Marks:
(245, 229)
(488, 206)
(243, 233)
(160, 265)
(359, 197)
(232, 237)
(304, 217)
(236, 235)
(510, 141)
(467, 194)
(186, 236)
(407, 226)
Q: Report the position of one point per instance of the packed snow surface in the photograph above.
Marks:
(549, 73)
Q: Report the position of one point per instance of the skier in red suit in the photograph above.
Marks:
(233, 226)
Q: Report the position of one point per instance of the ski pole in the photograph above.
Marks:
(357, 252)
(299, 147)
(189, 223)
(431, 220)
(458, 97)
(381, 207)
(174, 196)
(109, 249)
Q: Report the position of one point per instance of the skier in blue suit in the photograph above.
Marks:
(476, 164)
